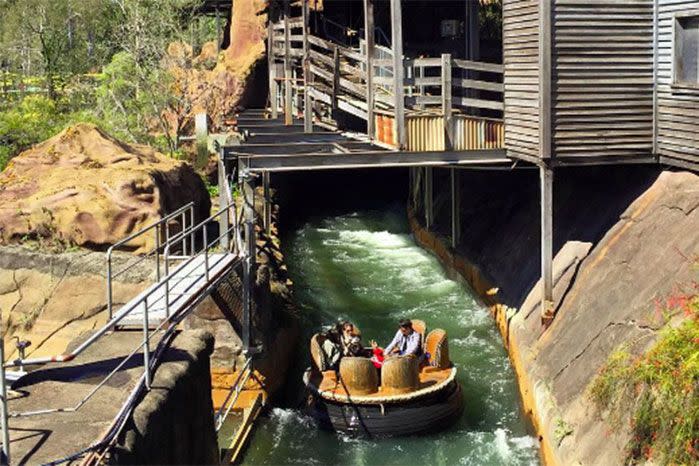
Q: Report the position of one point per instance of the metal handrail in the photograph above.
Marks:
(234, 393)
(182, 211)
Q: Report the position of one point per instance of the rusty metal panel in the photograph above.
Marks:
(472, 133)
(425, 131)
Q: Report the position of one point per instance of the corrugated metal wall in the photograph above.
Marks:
(602, 78)
(521, 60)
(678, 107)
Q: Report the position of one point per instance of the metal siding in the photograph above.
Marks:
(678, 108)
(521, 60)
(602, 78)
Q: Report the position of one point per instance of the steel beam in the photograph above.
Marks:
(369, 58)
(546, 181)
(372, 159)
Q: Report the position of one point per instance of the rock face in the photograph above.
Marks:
(646, 257)
(83, 187)
(50, 299)
(624, 239)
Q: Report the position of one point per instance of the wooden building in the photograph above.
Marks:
(582, 82)
(606, 81)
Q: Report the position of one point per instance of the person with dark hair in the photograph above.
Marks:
(349, 340)
(406, 341)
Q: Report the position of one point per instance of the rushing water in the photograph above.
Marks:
(365, 267)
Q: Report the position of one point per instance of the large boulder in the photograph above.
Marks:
(83, 187)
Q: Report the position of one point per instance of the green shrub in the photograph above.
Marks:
(660, 388)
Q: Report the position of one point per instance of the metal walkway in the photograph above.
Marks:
(272, 146)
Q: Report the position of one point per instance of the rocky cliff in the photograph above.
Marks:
(82, 187)
(625, 238)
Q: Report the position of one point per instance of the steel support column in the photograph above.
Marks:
(429, 215)
(250, 255)
(398, 72)
(546, 181)
(268, 203)
(455, 209)
(369, 57)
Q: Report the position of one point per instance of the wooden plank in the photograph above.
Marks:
(479, 103)
(288, 116)
(447, 102)
(273, 98)
(307, 76)
(335, 76)
(471, 65)
(545, 80)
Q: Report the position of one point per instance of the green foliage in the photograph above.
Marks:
(660, 388)
(490, 20)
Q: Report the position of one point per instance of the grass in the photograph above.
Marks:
(656, 392)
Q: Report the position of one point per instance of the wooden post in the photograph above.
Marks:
(307, 104)
(268, 203)
(398, 82)
(336, 76)
(369, 39)
(429, 217)
(546, 181)
(455, 209)
(272, 71)
(288, 114)
(446, 101)
(420, 73)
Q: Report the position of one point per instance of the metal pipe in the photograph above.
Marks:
(3, 393)
(183, 218)
(146, 344)
(109, 285)
(191, 226)
(157, 252)
(206, 254)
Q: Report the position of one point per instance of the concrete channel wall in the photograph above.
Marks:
(173, 423)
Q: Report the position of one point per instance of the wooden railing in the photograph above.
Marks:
(460, 99)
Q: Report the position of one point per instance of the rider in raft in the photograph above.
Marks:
(405, 342)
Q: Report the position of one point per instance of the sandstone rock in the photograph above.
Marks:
(86, 188)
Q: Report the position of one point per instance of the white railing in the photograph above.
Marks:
(186, 239)
(233, 395)
(159, 228)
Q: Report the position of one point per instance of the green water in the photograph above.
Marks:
(365, 267)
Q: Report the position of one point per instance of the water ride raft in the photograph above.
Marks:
(408, 397)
